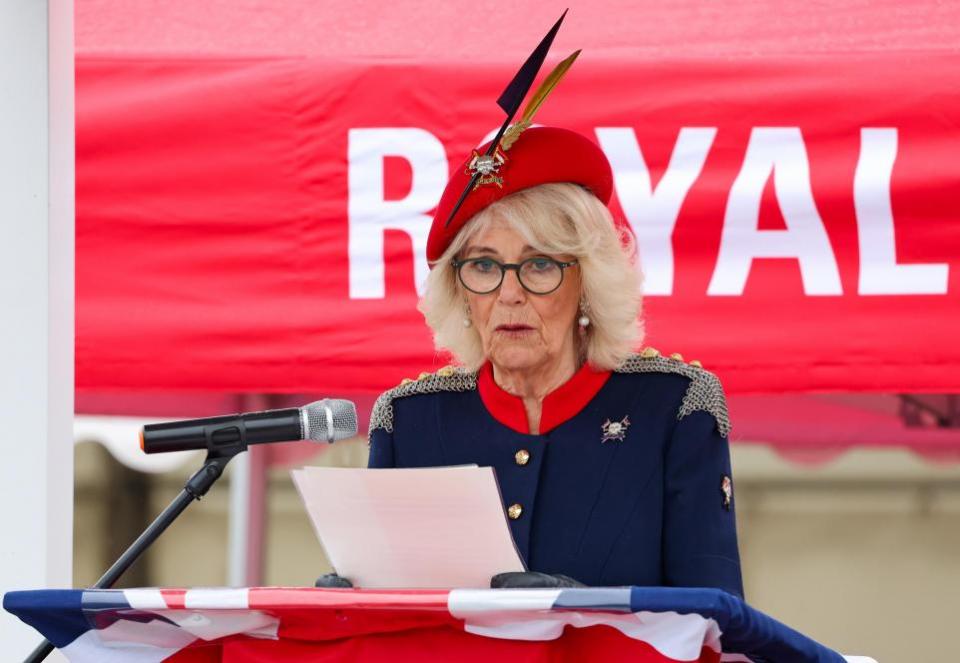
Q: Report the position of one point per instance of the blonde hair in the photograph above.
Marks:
(554, 219)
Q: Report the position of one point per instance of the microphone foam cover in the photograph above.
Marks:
(329, 420)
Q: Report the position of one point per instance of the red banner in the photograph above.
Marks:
(259, 225)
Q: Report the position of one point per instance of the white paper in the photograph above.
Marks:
(439, 527)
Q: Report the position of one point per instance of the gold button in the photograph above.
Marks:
(650, 353)
(696, 363)
(522, 457)
(514, 511)
(676, 356)
(445, 372)
(423, 376)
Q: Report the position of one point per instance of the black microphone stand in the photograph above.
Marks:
(195, 488)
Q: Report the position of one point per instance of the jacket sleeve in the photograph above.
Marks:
(700, 535)
(381, 449)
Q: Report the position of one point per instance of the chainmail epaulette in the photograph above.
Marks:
(704, 393)
(448, 378)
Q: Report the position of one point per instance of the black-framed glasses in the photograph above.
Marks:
(539, 275)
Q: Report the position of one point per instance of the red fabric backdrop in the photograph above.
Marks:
(238, 195)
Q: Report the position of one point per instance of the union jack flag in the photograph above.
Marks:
(656, 624)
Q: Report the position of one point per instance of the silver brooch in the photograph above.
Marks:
(615, 430)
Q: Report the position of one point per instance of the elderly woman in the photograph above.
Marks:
(613, 466)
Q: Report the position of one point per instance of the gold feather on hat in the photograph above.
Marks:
(546, 87)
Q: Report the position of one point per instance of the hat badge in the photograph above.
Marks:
(487, 166)
(615, 430)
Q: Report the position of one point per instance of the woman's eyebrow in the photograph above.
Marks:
(481, 249)
(532, 251)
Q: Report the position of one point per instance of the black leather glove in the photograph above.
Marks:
(332, 580)
(532, 580)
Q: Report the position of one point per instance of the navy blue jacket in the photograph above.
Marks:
(629, 482)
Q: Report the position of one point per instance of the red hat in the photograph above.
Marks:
(540, 155)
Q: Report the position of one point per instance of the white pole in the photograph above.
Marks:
(36, 303)
(247, 520)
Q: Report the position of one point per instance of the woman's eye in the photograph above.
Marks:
(541, 264)
(483, 265)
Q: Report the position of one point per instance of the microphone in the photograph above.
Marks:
(326, 420)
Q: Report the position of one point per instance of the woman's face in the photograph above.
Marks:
(520, 330)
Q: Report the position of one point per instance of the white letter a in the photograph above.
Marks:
(779, 150)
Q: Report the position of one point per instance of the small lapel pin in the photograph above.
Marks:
(726, 488)
(615, 430)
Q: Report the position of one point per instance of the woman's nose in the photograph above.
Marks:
(511, 292)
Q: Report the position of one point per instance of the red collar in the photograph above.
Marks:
(561, 404)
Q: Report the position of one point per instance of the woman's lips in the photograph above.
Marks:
(513, 329)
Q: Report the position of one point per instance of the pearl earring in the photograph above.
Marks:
(584, 319)
(467, 322)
